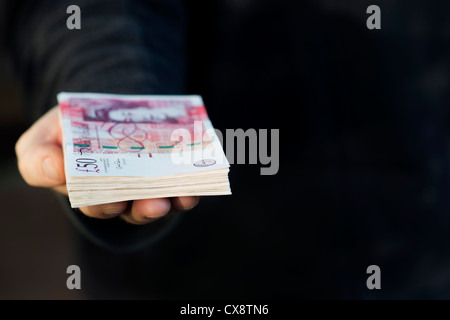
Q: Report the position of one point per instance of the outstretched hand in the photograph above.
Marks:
(41, 164)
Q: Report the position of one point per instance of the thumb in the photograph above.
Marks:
(42, 165)
(39, 153)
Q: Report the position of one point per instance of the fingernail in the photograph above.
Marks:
(197, 201)
(150, 219)
(49, 169)
(113, 211)
(161, 208)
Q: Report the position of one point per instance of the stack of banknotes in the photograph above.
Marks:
(129, 147)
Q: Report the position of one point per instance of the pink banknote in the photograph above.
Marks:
(135, 124)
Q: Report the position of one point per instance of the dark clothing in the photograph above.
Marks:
(134, 47)
(123, 47)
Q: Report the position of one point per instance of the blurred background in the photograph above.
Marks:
(35, 244)
(364, 165)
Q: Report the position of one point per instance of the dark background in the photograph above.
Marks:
(364, 165)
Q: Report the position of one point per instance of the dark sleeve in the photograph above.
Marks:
(124, 46)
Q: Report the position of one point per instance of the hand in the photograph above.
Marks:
(41, 164)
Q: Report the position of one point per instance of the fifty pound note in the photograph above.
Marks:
(143, 138)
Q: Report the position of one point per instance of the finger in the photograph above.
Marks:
(42, 166)
(44, 131)
(184, 203)
(39, 152)
(148, 210)
(129, 218)
(61, 189)
(105, 211)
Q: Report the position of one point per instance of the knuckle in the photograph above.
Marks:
(25, 175)
(19, 144)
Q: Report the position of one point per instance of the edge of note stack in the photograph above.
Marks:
(130, 147)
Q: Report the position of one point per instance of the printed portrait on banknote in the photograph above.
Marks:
(105, 124)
